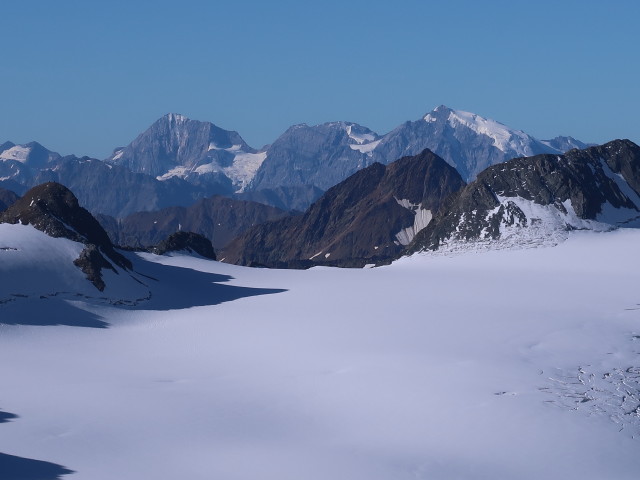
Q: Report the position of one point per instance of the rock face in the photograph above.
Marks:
(54, 210)
(366, 218)
(186, 241)
(321, 155)
(219, 219)
(7, 198)
(530, 198)
(200, 152)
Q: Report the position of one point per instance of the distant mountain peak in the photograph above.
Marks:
(176, 117)
(441, 112)
(200, 152)
(32, 154)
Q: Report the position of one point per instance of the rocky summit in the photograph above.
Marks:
(54, 210)
(542, 197)
(186, 242)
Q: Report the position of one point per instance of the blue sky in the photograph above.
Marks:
(84, 77)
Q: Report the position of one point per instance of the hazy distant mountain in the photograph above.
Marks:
(467, 141)
(218, 218)
(30, 154)
(528, 200)
(100, 187)
(291, 197)
(564, 144)
(199, 152)
(178, 160)
(323, 155)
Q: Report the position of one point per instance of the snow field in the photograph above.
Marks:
(431, 368)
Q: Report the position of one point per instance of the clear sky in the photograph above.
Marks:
(84, 77)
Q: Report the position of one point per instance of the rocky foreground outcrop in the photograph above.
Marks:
(594, 188)
(53, 209)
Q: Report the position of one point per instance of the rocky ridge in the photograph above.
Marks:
(54, 210)
(186, 242)
(541, 197)
(218, 218)
(367, 218)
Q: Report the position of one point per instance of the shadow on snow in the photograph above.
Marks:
(170, 288)
(19, 468)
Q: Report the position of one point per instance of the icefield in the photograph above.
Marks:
(506, 364)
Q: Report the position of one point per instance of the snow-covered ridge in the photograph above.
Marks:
(41, 266)
(504, 138)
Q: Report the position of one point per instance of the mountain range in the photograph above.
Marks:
(177, 160)
(421, 203)
(370, 216)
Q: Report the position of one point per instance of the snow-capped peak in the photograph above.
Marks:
(503, 137)
(176, 118)
(18, 153)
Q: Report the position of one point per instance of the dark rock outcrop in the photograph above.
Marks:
(186, 241)
(54, 210)
(7, 198)
(598, 184)
(361, 220)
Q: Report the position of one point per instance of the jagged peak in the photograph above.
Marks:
(6, 145)
(175, 117)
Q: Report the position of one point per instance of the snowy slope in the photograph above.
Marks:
(508, 140)
(39, 280)
(470, 367)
